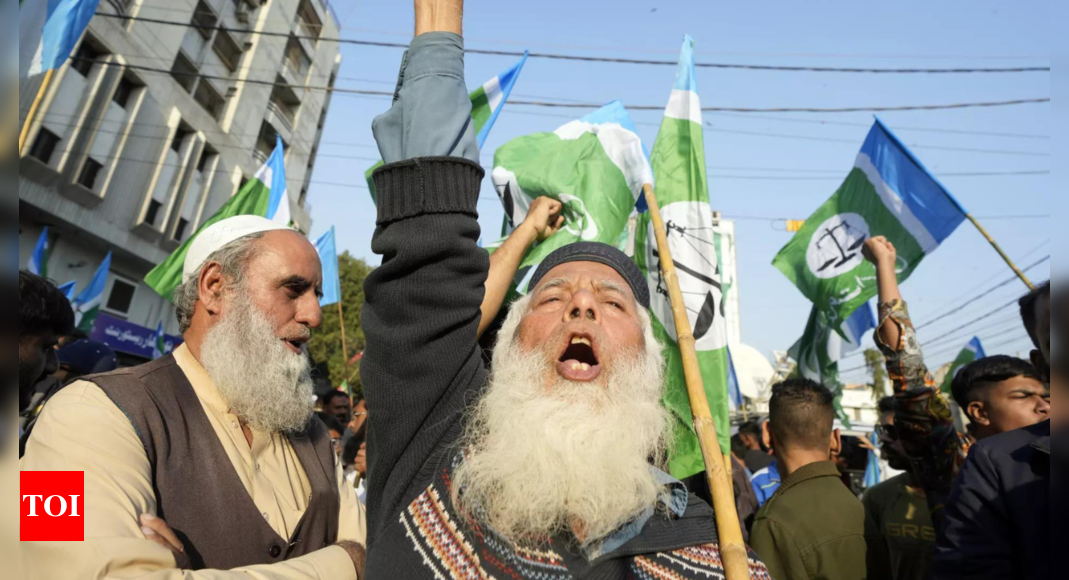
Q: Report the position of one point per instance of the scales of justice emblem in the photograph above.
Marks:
(835, 248)
(689, 228)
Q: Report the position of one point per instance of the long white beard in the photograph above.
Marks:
(263, 381)
(569, 456)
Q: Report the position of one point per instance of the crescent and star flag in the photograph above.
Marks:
(682, 189)
(820, 349)
(888, 193)
(594, 166)
(487, 102)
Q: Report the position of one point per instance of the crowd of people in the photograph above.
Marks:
(539, 456)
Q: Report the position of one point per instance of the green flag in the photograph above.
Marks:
(487, 103)
(594, 166)
(888, 193)
(972, 352)
(683, 195)
(820, 349)
(251, 200)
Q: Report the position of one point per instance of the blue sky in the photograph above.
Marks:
(785, 165)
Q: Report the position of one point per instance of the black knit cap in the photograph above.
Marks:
(602, 254)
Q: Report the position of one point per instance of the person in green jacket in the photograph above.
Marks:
(813, 527)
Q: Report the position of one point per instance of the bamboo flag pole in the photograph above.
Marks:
(998, 249)
(732, 547)
(32, 113)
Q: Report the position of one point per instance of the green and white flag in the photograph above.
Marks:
(820, 349)
(972, 352)
(487, 102)
(595, 167)
(253, 199)
(683, 194)
(888, 193)
(87, 304)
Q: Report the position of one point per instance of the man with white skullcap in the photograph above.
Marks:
(206, 464)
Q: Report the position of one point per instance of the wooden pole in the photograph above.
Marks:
(732, 547)
(32, 113)
(998, 249)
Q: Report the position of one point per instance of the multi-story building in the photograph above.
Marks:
(151, 127)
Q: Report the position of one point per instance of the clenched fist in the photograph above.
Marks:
(880, 251)
(544, 218)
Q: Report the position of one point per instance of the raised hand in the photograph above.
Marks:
(879, 250)
(544, 218)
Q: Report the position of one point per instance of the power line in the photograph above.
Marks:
(839, 178)
(580, 58)
(363, 93)
(987, 292)
(896, 128)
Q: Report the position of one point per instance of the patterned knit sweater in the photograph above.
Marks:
(422, 368)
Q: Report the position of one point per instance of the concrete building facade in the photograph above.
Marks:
(151, 127)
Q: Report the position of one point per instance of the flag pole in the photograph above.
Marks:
(998, 249)
(32, 113)
(732, 547)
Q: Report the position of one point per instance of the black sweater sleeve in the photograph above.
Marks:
(422, 365)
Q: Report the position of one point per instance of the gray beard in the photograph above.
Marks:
(264, 382)
(571, 456)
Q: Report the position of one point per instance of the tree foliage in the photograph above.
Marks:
(326, 343)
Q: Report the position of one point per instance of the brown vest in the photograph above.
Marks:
(198, 492)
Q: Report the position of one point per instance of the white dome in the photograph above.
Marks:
(753, 369)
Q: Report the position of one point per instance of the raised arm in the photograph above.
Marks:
(422, 365)
(923, 416)
(543, 220)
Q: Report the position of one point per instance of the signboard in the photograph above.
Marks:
(129, 338)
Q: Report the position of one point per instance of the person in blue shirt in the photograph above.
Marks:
(766, 482)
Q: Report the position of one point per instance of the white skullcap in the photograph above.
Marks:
(219, 235)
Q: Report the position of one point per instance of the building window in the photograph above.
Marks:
(121, 298)
(297, 61)
(44, 146)
(179, 138)
(184, 71)
(207, 97)
(88, 176)
(180, 231)
(308, 22)
(205, 157)
(204, 20)
(153, 212)
(228, 50)
(123, 93)
(83, 59)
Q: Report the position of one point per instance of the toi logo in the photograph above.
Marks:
(53, 506)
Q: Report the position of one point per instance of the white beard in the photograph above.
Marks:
(542, 460)
(263, 381)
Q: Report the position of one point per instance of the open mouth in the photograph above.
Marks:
(579, 362)
(296, 345)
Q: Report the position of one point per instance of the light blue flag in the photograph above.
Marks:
(38, 263)
(87, 304)
(48, 31)
(734, 393)
(68, 289)
(273, 174)
(158, 346)
(873, 472)
(328, 255)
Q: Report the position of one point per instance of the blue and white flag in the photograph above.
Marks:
(873, 472)
(158, 342)
(48, 32)
(328, 255)
(972, 352)
(38, 263)
(87, 304)
(273, 175)
(488, 100)
(68, 289)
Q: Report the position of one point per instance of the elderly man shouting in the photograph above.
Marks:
(217, 440)
(542, 469)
